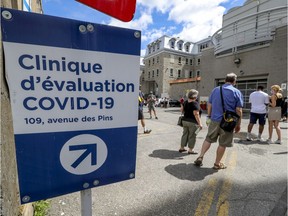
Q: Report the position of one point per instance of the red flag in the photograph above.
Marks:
(120, 9)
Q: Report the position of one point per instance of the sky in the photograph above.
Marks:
(191, 20)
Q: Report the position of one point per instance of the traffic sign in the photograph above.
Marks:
(73, 88)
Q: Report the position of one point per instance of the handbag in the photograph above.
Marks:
(229, 119)
(180, 121)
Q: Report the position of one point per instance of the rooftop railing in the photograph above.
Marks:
(251, 30)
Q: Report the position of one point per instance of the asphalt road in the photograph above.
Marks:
(168, 184)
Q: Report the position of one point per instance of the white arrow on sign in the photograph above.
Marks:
(83, 154)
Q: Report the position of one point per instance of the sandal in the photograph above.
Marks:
(192, 152)
(182, 150)
(219, 166)
(198, 161)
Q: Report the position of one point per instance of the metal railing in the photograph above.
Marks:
(253, 29)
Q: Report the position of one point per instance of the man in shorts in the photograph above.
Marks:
(233, 100)
(151, 104)
(259, 100)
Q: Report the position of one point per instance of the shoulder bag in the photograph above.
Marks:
(229, 119)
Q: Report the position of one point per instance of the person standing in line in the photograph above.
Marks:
(140, 112)
(274, 113)
(259, 100)
(233, 102)
(151, 100)
(191, 122)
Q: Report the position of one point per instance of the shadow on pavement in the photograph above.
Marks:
(189, 172)
(168, 154)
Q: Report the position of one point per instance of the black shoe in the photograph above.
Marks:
(156, 117)
(182, 150)
(147, 131)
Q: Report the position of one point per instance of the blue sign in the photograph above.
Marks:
(74, 90)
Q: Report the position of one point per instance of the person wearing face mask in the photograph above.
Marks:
(274, 113)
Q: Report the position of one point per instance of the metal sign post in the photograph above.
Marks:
(86, 202)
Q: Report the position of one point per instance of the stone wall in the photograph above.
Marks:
(9, 190)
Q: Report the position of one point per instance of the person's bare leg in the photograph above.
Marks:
(261, 128)
(219, 154)
(270, 129)
(250, 126)
(143, 123)
(278, 130)
(205, 146)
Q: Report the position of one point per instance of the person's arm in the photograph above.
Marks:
(182, 108)
(209, 109)
(273, 101)
(197, 117)
(239, 112)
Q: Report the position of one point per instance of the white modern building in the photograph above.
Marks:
(251, 43)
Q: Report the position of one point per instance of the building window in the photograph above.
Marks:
(158, 46)
(179, 73)
(157, 59)
(171, 72)
(179, 60)
(187, 48)
(186, 61)
(198, 61)
(180, 46)
(153, 61)
(149, 62)
(190, 74)
(149, 50)
(157, 72)
(154, 48)
(172, 44)
(198, 73)
(149, 74)
(153, 74)
(203, 46)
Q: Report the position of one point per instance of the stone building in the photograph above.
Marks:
(9, 192)
(252, 43)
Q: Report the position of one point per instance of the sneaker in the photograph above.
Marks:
(147, 131)
(156, 117)
(260, 139)
(248, 138)
(269, 141)
(278, 141)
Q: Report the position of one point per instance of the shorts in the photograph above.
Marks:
(140, 114)
(261, 117)
(274, 114)
(151, 107)
(214, 131)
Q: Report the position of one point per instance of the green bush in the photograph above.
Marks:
(41, 207)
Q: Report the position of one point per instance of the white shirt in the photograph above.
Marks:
(258, 100)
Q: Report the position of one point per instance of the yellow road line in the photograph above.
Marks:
(223, 204)
(206, 201)
(207, 198)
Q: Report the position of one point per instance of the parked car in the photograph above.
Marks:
(174, 103)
